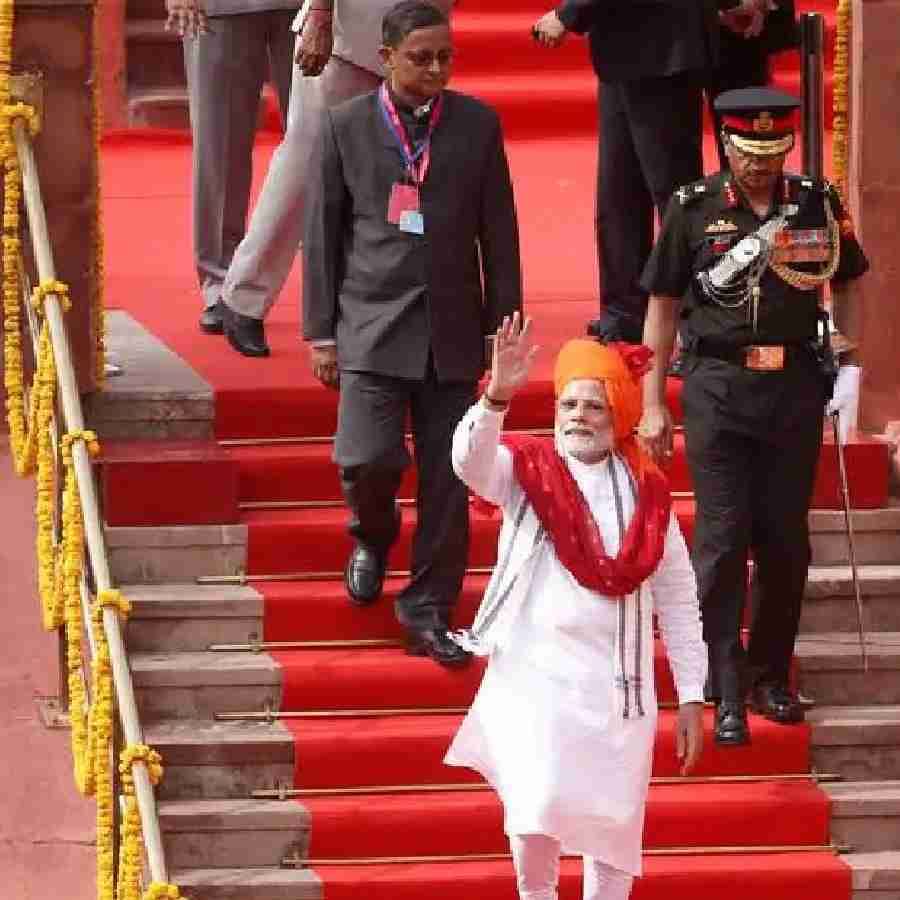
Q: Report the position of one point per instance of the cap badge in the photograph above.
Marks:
(763, 123)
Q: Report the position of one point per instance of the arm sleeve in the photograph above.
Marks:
(478, 458)
(326, 194)
(675, 595)
(668, 271)
(498, 239)
(853, 262)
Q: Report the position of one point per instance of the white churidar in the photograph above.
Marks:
(548, 728)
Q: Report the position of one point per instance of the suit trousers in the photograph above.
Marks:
(226, 68)
(263, 259)
(753, 442)
(650, 144)
(744, 63)
(536, 861)
(370, 451)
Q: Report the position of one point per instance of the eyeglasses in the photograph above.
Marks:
(425, 59)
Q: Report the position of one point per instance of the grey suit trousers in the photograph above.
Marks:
(226, 68)
(264, 257)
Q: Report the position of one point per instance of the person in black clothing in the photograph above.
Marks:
(747, 41)
(410, 258)
(653, 61)
(738, 263)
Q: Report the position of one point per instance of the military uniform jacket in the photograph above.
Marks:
(705, 219)
(390, 299)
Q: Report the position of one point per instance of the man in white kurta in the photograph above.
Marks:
(564, 722)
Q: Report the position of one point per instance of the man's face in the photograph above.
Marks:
(756, 174)
(419, 66)
(584, 425)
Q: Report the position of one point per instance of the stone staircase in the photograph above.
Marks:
(221, 842)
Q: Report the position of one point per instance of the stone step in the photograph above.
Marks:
(175, 553)
(830, 603)
(876, 536)
(865, 815)
(212, 760)
(166, 106)
(876, 876)
(248, 884)
(214, 834)
(860, 743)
(190, 617)
(156, 396)
(830, 668)
(196, 685)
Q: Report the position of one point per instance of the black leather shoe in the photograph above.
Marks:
(211, 319)
(777, 703)
(436, 643)
(364, 575)
(246, 334)
(731, 724)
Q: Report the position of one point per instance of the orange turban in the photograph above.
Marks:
(620, 367)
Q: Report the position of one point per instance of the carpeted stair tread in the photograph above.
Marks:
(316, 540)
(451, 823)
(320, 610)
(357, 751)
(788, 876)
(387, 677)
(378, 678)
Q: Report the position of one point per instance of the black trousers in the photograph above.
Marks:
(650, 144)
(753, 442)
(371, 452)
(744, 63)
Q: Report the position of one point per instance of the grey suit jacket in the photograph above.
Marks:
(390, 298)
(241, 7)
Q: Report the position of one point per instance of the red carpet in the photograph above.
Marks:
(547, 101)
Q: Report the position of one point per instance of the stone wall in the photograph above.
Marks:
(55, 38)
(875, 200)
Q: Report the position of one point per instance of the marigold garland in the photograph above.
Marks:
(159, 891)
(841, 104)
(131, 847)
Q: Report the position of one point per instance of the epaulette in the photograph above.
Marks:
(689, 193)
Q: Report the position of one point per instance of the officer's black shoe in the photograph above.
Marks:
(364, 575)
(436, 643)
(211, 319)
(246, 334)
(731, 724)
(777, 703)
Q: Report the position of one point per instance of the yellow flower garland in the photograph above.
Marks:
(841, 105)
(159, 891)
(131, 847)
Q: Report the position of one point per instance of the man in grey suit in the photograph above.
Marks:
(337, 59)
(410, 257)
(229, 46)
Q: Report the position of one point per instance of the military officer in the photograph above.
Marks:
(738, 262)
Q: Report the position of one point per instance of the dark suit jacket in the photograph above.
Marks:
(632, 39)
(390, 298)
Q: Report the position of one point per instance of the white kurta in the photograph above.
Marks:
(547, 728)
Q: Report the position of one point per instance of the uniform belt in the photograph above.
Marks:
(756, 357)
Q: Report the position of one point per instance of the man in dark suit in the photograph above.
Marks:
(411, 257)
(653, 58)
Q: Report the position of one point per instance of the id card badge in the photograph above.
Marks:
(412, 222)
(404, 199)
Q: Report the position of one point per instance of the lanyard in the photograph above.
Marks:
(417, 160)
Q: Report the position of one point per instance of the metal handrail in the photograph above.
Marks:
(74, 421)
